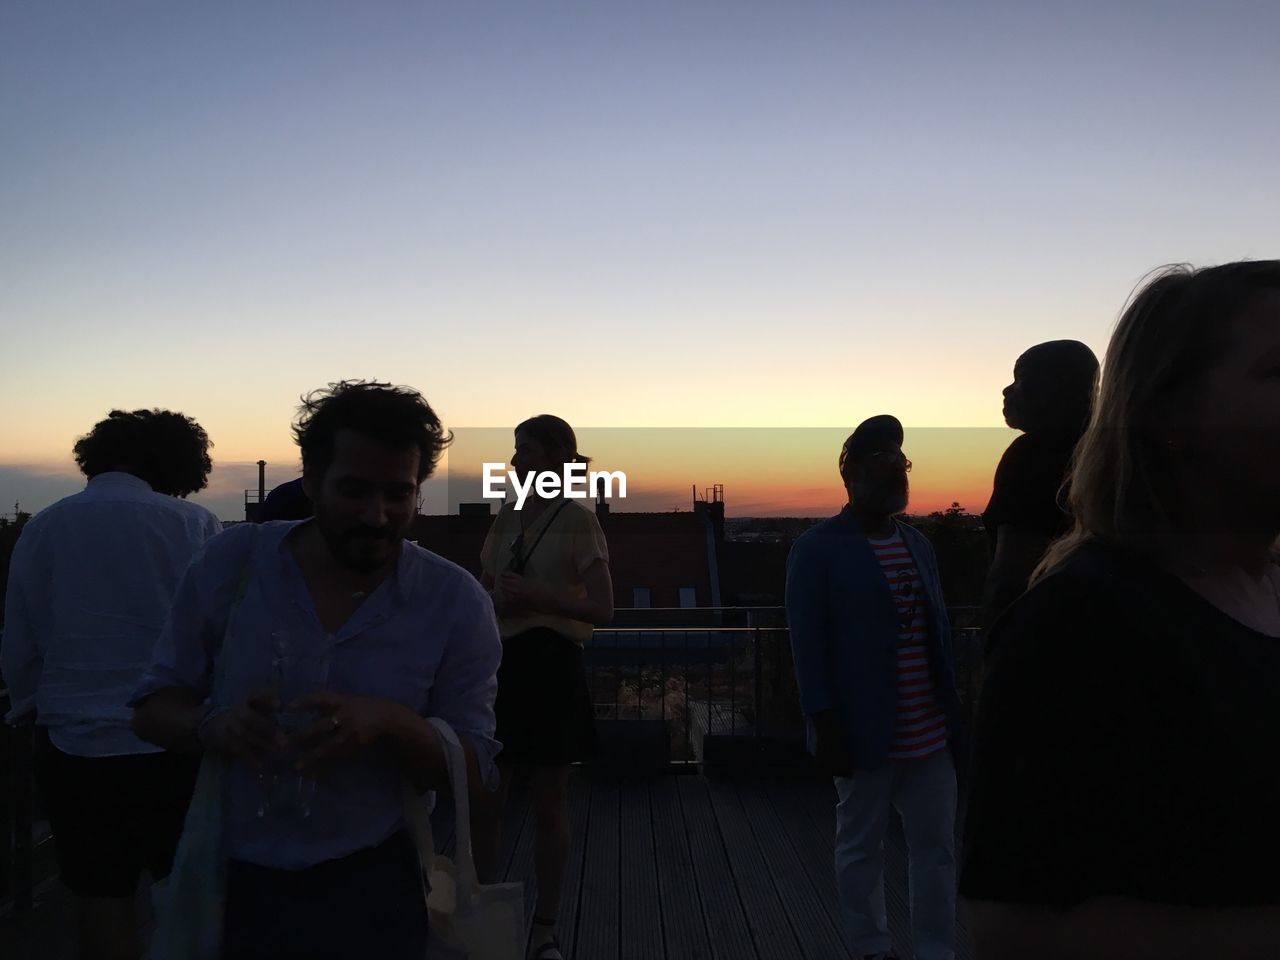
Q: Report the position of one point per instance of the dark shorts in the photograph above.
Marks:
(113, 817)
(544, 708)
(368, 904)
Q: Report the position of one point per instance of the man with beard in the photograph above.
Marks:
(341, 623)
(872, 651)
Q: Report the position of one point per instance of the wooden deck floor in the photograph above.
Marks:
(694, 868)
(680, 867)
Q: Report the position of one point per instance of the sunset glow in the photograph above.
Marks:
(645, 219)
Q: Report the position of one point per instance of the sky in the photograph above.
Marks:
(698, 215)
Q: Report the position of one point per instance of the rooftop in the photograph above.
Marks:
(701, 832)
(672, 866)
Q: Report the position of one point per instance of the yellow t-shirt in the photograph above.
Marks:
(573, 542)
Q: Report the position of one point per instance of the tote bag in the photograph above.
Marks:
(189, 904)
(469, 920)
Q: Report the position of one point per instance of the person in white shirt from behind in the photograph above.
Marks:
(90, 584)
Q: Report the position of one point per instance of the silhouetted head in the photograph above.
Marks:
(166, 449)
(543, 443)
(1186, 432)
(288, 501)
(1053, 386)
(366, 448)
(874, 468)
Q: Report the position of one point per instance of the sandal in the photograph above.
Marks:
(550, 949)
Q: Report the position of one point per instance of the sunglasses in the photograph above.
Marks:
(890, 458)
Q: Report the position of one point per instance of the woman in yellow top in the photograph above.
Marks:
(547, 567)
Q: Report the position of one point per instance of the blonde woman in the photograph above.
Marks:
(1126, 794)
(547, 566)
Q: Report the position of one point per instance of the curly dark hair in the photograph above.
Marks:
(166, 449)
(396, 417)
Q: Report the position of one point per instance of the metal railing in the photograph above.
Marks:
(17, 798)
(689, 686)
(712, 685)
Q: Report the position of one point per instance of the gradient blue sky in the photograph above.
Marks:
(702, 214)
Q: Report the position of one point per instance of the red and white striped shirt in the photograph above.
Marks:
(920, 728)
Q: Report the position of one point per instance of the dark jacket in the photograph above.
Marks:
(844, 634)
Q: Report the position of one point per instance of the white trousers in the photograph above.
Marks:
(924, 794)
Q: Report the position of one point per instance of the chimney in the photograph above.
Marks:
(711, 506)
(262, 480)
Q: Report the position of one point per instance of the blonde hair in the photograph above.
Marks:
(1173, 329)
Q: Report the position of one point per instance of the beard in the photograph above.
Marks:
(885, 497)
(360, 549)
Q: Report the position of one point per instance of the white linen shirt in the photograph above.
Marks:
(426, 638)
(90, 583)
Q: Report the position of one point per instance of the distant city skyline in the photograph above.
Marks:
(765, 472)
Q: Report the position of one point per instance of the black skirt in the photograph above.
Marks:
(543, 708)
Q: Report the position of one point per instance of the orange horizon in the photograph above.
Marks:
(764, 473)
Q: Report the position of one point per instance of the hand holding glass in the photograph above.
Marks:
(294, 675)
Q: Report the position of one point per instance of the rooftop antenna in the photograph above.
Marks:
(602, 502)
